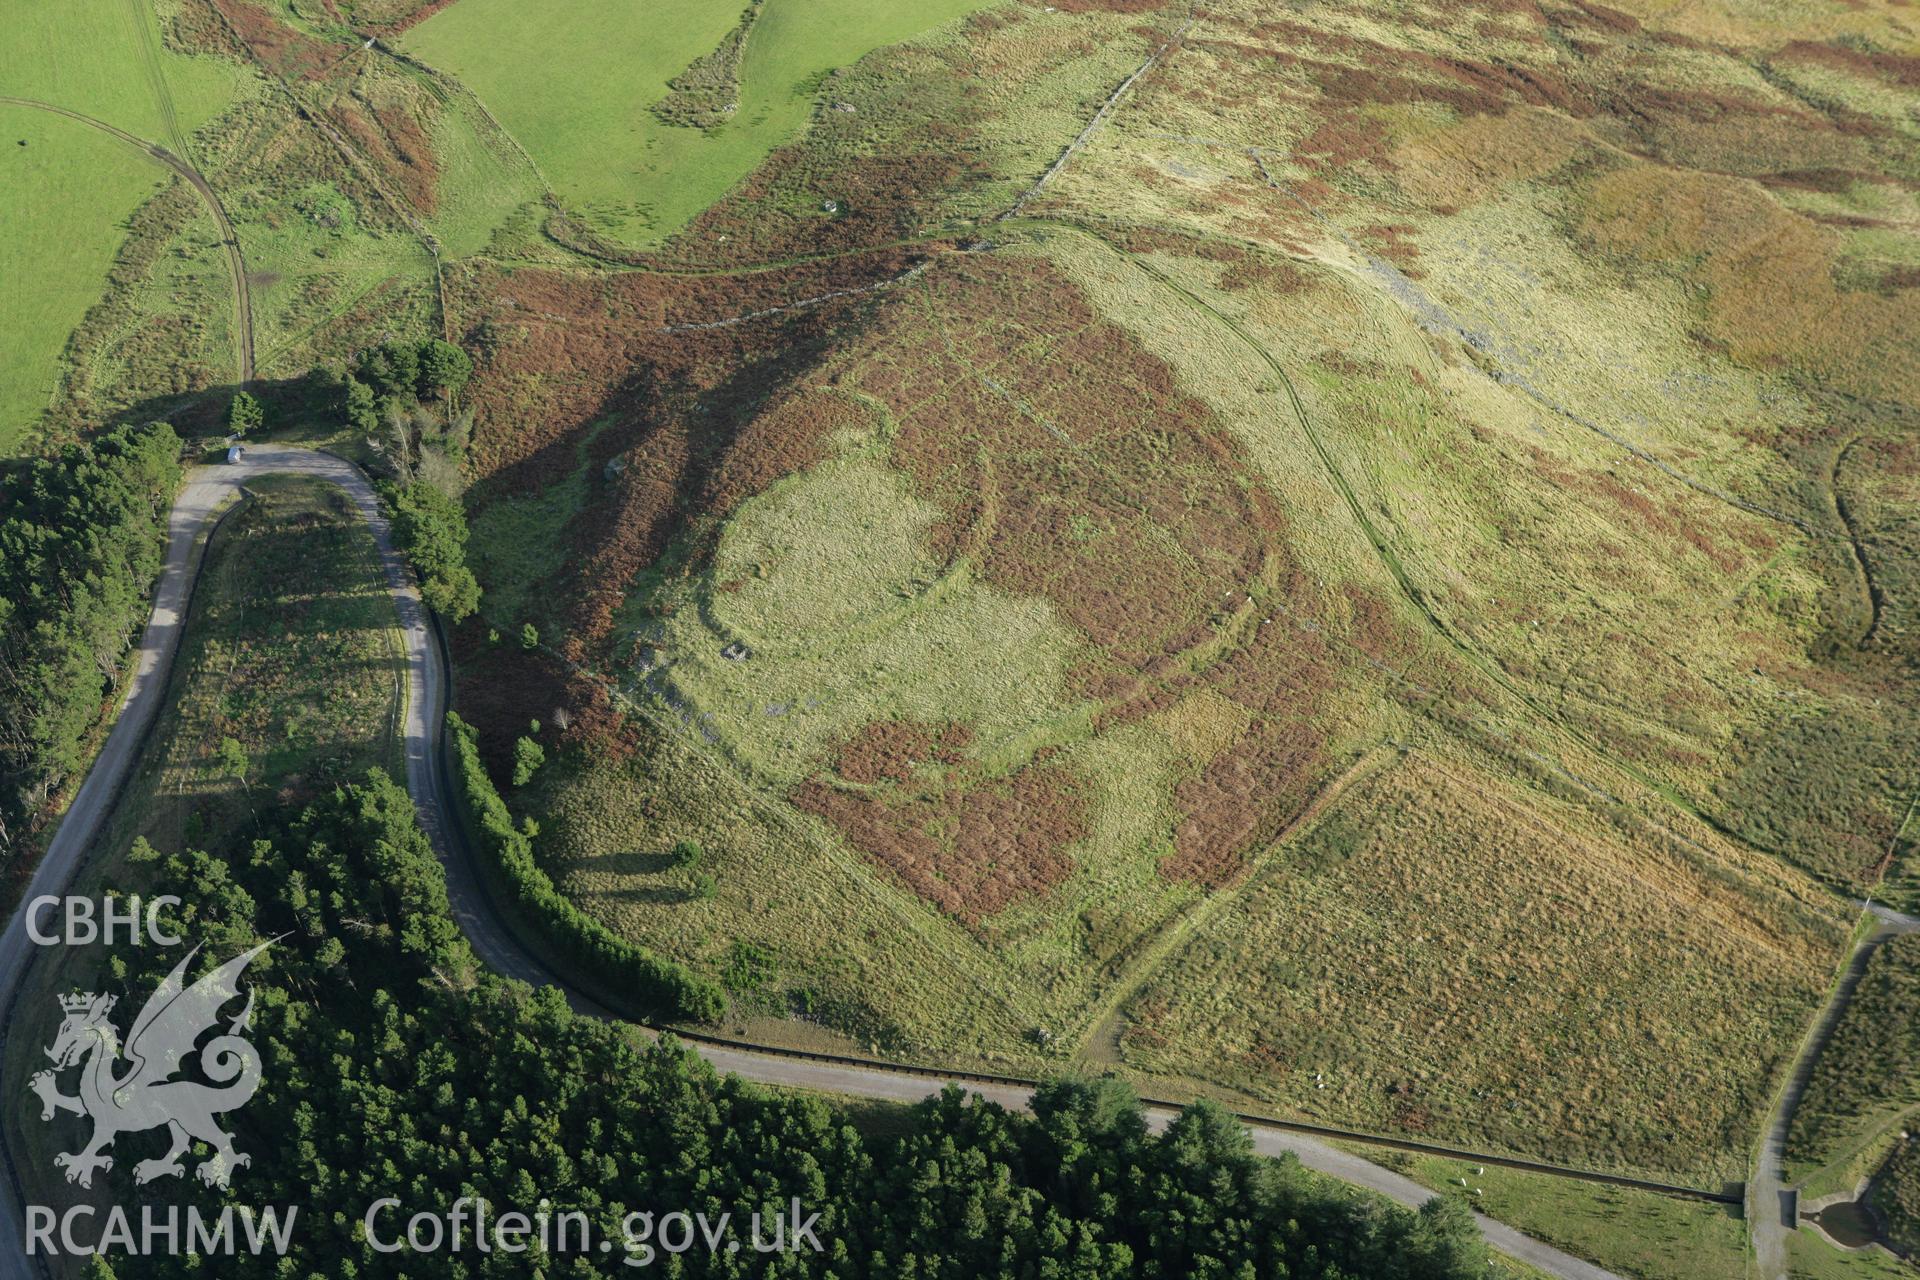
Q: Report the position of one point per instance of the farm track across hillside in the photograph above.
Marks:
(429, 781)
(363, 167)
(236, 263)
(141, 13)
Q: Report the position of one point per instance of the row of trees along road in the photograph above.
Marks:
(81, 540)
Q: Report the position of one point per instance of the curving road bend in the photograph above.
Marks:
(1773, 1206)
(207, 490)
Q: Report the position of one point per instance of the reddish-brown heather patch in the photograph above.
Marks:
(290, 54)
(390, 139)
(1270, 277)
(788, 437)
(1609, 19)
(558, 350)
(1344, 138)
(198, 27)
(1247, 794)
(1242, 799)
(1893, 68)
(879, 196)
(972, 848)
(500, 688)
(890, 750)
(1387, 240)
(1398, 75)
(1099, 483)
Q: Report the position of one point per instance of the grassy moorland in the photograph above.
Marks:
(1335, 477)
(1542, 1009)
(112, 62)
(628, 172)
(1562, 336)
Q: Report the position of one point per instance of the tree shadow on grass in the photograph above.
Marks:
(629, 862)
(655, 895)
(202, 415)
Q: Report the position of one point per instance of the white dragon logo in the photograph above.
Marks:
(147, 1096)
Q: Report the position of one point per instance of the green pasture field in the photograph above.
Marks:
(484, 178)
(630, 175)
(1631, 1233)
(66, 195)
(108, 60)
(64, 199)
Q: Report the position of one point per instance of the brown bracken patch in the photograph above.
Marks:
(972, 849)
(390, 139)
(1068, 459)
(1247, 794)
(789, 437)
(890, 750)
(289, 54)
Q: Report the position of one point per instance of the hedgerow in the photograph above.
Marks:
(658, 986)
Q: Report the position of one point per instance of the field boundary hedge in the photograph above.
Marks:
(647, 981)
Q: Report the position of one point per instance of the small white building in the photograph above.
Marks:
(235, 453)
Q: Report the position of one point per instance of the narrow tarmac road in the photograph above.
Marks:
(1773, 1206)
(206, 491)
